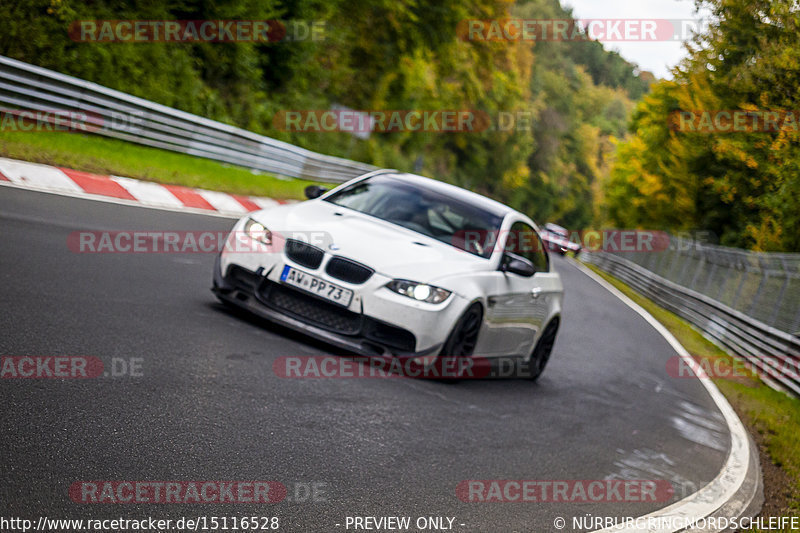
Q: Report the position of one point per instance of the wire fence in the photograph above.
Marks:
(764, 286)
(748, 302)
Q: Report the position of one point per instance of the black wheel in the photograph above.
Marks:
(460, 343)
(541, 352)
(464, 337)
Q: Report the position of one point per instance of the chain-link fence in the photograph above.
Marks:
(764, 286)
(747, 302)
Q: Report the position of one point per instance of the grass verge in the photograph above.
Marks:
(101, 155)
(772, 417)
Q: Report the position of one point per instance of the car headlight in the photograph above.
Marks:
(257, 231)
(419, 291)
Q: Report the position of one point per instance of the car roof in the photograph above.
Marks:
(555, 227)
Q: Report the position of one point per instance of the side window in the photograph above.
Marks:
(523, 240)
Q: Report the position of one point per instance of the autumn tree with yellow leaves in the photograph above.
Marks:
(741, 183)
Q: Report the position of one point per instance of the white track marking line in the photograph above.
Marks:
(723, 487)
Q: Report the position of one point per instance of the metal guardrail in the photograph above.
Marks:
(773, 353)
(763, 286)
(122, 116)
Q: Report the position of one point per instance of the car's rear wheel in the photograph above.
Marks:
(541, 352)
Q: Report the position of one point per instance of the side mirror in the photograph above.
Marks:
(315, 191)
(517, 264)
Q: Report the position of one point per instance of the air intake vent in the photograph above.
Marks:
(312, 310)
(347, 270)
(303, 254)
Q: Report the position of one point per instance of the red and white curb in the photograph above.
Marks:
(127, 191)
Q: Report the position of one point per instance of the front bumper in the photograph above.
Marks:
(355, 332)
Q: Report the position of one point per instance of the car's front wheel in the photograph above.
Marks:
(541, 352)
(460, 343)
(464, 337)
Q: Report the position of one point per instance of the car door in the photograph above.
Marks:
(520, 305)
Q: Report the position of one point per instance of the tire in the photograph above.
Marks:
(540, 354)
(460, 343)
(464, 337)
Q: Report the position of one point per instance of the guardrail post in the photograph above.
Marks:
(673, 266)
(796, 326)
(741, 285)
(700, 267)
(707, 289)
(685, 269)
(651, 259)
(774, 317)
(761, 283)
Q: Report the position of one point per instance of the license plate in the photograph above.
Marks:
(314, 285)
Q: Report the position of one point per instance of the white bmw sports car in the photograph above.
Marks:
(397, 265)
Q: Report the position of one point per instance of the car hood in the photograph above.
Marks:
(391, 250)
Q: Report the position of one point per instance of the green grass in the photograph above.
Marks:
(773, 415)
(92, 153)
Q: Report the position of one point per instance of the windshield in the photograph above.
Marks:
(423, 210)
(557, 230)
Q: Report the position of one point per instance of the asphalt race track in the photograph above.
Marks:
(208, 406)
